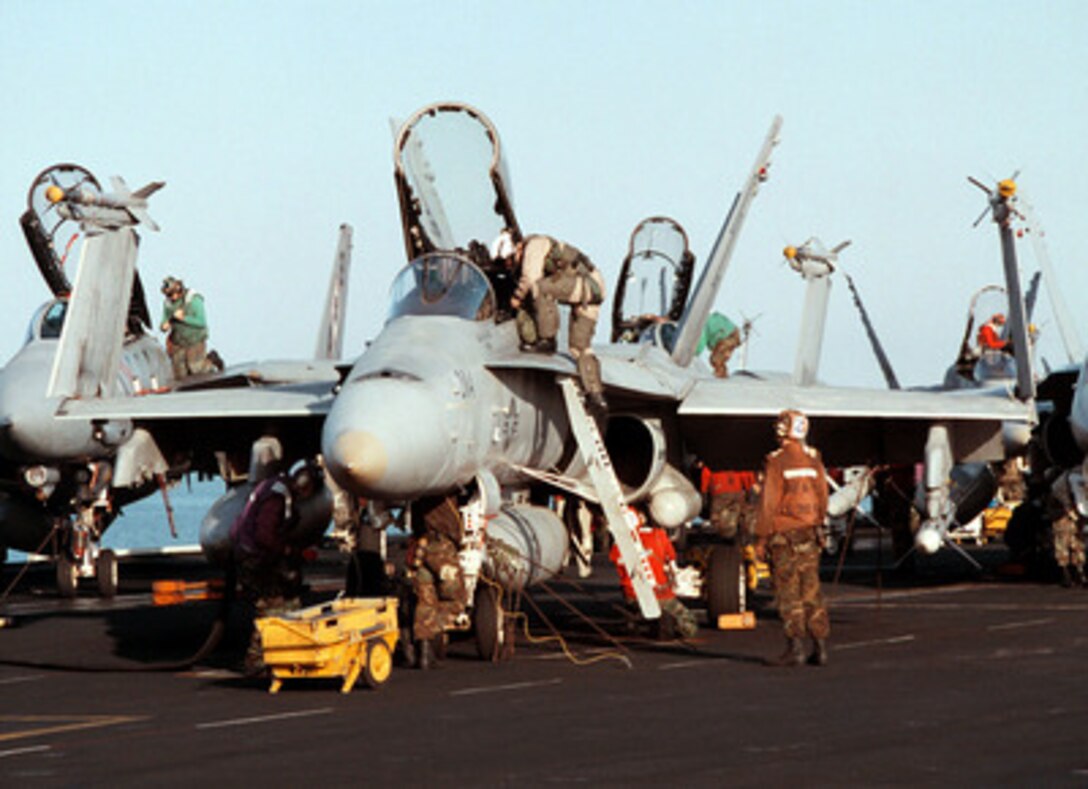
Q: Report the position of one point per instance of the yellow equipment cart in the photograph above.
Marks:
(343, 638)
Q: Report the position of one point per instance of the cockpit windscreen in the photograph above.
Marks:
(442, 284)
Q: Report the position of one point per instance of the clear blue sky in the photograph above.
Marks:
(269, 121)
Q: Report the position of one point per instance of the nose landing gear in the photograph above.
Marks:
(80, 556)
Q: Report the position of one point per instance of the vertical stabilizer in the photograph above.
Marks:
(1001, 211)
(706, 292)
(89, 352)
(330, 336)
(810, 344)
(815, 264)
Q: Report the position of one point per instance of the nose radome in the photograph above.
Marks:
(387, 439)
(360, 458)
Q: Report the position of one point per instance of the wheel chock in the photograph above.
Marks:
(745, 620)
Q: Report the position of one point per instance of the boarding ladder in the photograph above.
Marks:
(624, 529)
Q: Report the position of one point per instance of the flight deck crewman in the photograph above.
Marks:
(438, 582)
(722, 337)
(267, 550)
(989, 334)
(675, 616)
(184, 319)
(555, 273)
(1065, 528)
(792, 511)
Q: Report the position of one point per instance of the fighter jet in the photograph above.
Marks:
(443, 403)
(63, 482)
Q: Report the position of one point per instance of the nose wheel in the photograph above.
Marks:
(79, 556)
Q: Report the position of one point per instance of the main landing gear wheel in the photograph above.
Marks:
(67, 576)
(489, 623)
(379, 664)
(105, 567)
(726, 587)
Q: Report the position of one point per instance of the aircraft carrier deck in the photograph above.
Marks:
(944, 678)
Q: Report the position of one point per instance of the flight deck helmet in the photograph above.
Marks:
(171, 285)
(791, 424)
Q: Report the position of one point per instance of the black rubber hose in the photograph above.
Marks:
(215, 635)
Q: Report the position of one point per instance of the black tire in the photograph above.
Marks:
(105, 568)
(726, 586)
(67, 576)
(488, 621)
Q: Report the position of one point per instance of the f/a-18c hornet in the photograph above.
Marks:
(63, 482)
(443, 407)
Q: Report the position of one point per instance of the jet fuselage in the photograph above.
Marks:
(421, 413)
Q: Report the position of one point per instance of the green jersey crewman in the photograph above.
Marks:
(722, 336)
(186, 324)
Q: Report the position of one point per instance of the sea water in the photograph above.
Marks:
(145, 526)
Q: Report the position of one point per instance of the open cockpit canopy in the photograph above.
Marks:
(654, 280)
(55, 240)
(451, 182)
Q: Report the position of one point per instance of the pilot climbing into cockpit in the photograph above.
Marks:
(553, 273)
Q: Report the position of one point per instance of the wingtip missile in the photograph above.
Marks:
(107, 211)
(813, 253)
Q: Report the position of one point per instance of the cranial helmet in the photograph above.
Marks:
(791, 424)
(998, 318)
(306, 476)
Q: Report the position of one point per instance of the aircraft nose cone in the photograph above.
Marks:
(361, 456)
(387, 439)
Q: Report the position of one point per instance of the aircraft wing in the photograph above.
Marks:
(271, 372)
(642, 371)
(301, 400)
(212, 429)
(728, 423)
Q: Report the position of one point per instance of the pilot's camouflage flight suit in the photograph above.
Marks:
(556, 273)
(792, 511)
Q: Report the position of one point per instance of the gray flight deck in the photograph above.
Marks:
(942, 678)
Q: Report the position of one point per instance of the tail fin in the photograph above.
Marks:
(89, 353)
(330, 337)
(702, 302)
(1001, 210)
